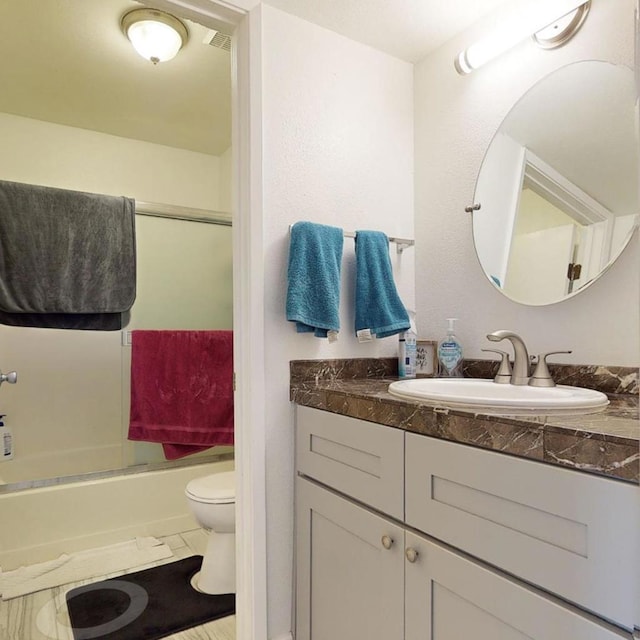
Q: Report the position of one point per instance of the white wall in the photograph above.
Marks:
(456, 117)
(338, 149)
(72, 391)
(60, 156)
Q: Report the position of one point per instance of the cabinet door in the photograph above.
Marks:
(449, 597)
(348, 584)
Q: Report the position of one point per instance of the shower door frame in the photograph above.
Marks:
(242, 18)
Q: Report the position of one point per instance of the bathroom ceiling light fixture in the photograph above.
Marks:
(546, 28)
(156, 35)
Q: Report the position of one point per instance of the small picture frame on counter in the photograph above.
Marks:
(426, 358)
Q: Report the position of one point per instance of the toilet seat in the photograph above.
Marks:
(218, 488)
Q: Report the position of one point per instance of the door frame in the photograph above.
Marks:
(242, 20)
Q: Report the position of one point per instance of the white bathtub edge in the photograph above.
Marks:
(40, 524)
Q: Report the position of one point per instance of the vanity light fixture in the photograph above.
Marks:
(541, 22)
(156, 35)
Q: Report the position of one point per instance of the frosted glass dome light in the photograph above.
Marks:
(157, 36)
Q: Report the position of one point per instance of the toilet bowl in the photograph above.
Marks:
(212, 500)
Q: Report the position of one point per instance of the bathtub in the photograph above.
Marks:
(41, 522)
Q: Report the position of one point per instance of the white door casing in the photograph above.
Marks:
(242, 20)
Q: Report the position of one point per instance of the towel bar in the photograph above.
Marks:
(190, 214)
(403, 243)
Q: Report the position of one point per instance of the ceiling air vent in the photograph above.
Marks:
(218, 40)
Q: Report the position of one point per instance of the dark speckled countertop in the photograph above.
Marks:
(605, 443)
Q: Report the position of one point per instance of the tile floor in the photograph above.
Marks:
(43, 615)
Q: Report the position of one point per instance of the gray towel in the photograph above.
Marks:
(79, 321)
(67, 258)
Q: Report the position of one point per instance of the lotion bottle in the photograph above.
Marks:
(450, 353)
(407, 350)
(6, 440)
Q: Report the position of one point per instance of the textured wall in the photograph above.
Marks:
(338, 149)
(455, 119)
(71, 158)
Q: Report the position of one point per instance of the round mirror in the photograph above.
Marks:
(558, 186)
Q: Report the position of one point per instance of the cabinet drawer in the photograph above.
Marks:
(572, 534)
(358, 458)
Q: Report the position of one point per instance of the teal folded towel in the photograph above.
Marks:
(378, 305)
(313, 291)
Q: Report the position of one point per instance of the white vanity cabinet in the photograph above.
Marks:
(363, 572)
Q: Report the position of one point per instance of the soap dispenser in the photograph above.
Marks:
(450, 353)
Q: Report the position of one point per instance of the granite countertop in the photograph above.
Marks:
(605, 443)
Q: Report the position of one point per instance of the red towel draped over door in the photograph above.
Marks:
(182, 389)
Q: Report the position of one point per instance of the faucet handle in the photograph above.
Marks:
(541, 376)
(504, 371)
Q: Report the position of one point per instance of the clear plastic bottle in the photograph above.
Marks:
(407, 350)
(450, 353)
(6, 440)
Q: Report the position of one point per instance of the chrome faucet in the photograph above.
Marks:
(520, 374)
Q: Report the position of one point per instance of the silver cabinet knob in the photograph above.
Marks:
(387, 542)
(11, 377)
(411, 554)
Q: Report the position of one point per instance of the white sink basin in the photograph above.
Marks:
(486, 396)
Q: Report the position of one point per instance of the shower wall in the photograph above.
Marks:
(69, 410)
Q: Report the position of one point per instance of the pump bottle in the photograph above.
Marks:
(450, 353)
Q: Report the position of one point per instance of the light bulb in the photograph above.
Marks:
(552, 23)
(154, 41)
(155, 35)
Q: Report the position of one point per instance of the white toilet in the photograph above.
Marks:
(212, 500)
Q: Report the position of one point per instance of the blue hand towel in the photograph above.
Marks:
(378, 305)
(313, 292)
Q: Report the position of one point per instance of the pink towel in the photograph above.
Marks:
(182, 390)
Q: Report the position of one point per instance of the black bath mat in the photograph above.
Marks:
(148, 604)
